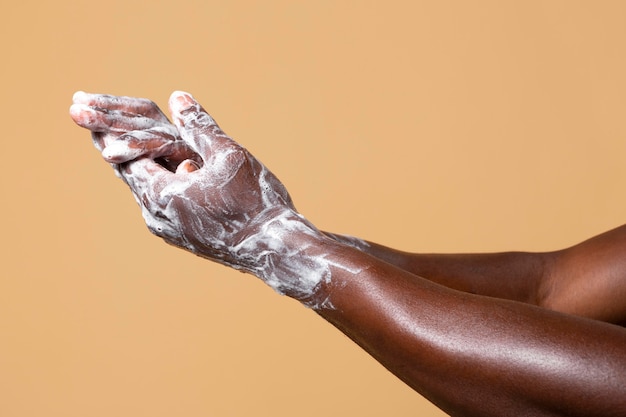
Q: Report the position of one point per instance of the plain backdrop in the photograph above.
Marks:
(430, 126)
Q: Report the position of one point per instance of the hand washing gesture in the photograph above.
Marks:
(202, 191)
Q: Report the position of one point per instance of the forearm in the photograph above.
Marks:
(508, 275)
(470, 354)
(474, 355)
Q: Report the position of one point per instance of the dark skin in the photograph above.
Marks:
(534, 334)
(479, 355)
(586, 280)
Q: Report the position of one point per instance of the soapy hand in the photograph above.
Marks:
(112, 117)
(202, 191)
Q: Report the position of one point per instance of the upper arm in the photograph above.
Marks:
(589, 279)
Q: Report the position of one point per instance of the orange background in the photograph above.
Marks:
(427, 126)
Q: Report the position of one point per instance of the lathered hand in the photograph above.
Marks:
(219, 202)
(110, 117)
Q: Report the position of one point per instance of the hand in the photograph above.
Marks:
(111, 117)
(200, 190)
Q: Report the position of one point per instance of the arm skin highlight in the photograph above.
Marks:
(478, 335)
(587, 280)
(476, 355)
(508, 275)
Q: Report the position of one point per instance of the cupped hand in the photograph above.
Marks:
(110, 118)
(202, 191)
(211, 207)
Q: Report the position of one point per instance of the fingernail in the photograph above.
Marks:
(75, 110)
(82, 114)
(80, 107)
(80, 97)
(119, 151)
(182, 103)
(187, 166)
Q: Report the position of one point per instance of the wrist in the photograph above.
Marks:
(285, 251)
(309, 264)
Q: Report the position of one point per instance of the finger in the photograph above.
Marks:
(139, 106)
(187, 166)
(85, 116)
(154, 143)
(146, 180)
(195, 125)
(102, 120)
(121, 151)
(142, 143)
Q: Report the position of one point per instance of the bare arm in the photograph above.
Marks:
(510, 275)
(588, 280)
(469, 354)
(475, 355)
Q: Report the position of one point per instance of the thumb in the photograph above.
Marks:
(196, 126)
(146, 180)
